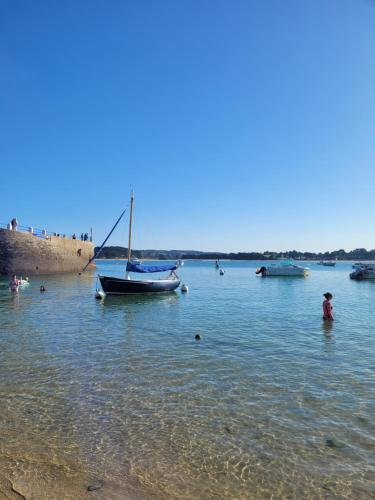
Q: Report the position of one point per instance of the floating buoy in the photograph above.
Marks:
(184, 288)
(197, 337)
(221, 272)
(99, 295)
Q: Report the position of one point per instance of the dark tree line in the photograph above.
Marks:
(117, 252)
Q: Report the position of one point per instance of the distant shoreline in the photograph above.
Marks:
(117, 252)
(239, 260)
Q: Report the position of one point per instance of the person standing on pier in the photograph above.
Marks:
(14, 223)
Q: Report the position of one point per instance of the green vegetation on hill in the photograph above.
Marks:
(116, 252)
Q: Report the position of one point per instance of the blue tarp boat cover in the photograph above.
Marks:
(142, 268)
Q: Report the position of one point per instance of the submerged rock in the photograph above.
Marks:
(333, 443)
(95, 486)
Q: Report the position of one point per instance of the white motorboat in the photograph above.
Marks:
(363, 272)
(283, 268)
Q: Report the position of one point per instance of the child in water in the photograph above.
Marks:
(327, 306)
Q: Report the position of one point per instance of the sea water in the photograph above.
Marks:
(117, 394)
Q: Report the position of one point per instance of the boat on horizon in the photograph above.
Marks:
(328, 263)
(283, 268)
(112, 285)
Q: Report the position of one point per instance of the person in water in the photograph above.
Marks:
(327, 306)
(14, 283)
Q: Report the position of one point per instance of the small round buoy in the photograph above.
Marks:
(99, 295)
(197, 337)
(221, 272)
(184, 288)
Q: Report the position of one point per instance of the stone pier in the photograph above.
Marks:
(26, 254)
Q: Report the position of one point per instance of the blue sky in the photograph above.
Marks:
(241, 125)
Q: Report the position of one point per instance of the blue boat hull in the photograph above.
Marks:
(120, 286)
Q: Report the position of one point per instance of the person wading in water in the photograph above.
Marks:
(327, 306)
(14, 283)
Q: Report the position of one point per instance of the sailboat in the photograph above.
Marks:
(123, 286)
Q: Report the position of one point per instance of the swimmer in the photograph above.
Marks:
(42, 288)
(327, 307)
(14, 283)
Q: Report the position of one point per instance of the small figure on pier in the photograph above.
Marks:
(14, 224)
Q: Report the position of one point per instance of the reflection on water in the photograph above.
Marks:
(327, 327)
(117, 392)
(139, 299)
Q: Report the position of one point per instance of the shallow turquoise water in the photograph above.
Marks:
(271, 401)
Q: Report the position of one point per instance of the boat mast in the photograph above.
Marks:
(130, 229)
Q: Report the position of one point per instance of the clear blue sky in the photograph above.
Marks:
(242, 125)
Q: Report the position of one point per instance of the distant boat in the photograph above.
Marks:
(283, 268)
(359, 265)
(217, 265)
(328, 263)
(363, 272)
(123, 286)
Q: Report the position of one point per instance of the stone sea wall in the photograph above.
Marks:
(25, 254)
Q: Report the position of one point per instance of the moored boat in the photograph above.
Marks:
(363, 272)
(123, 286)
(359, 265)
(120, 286)
(283, 268)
